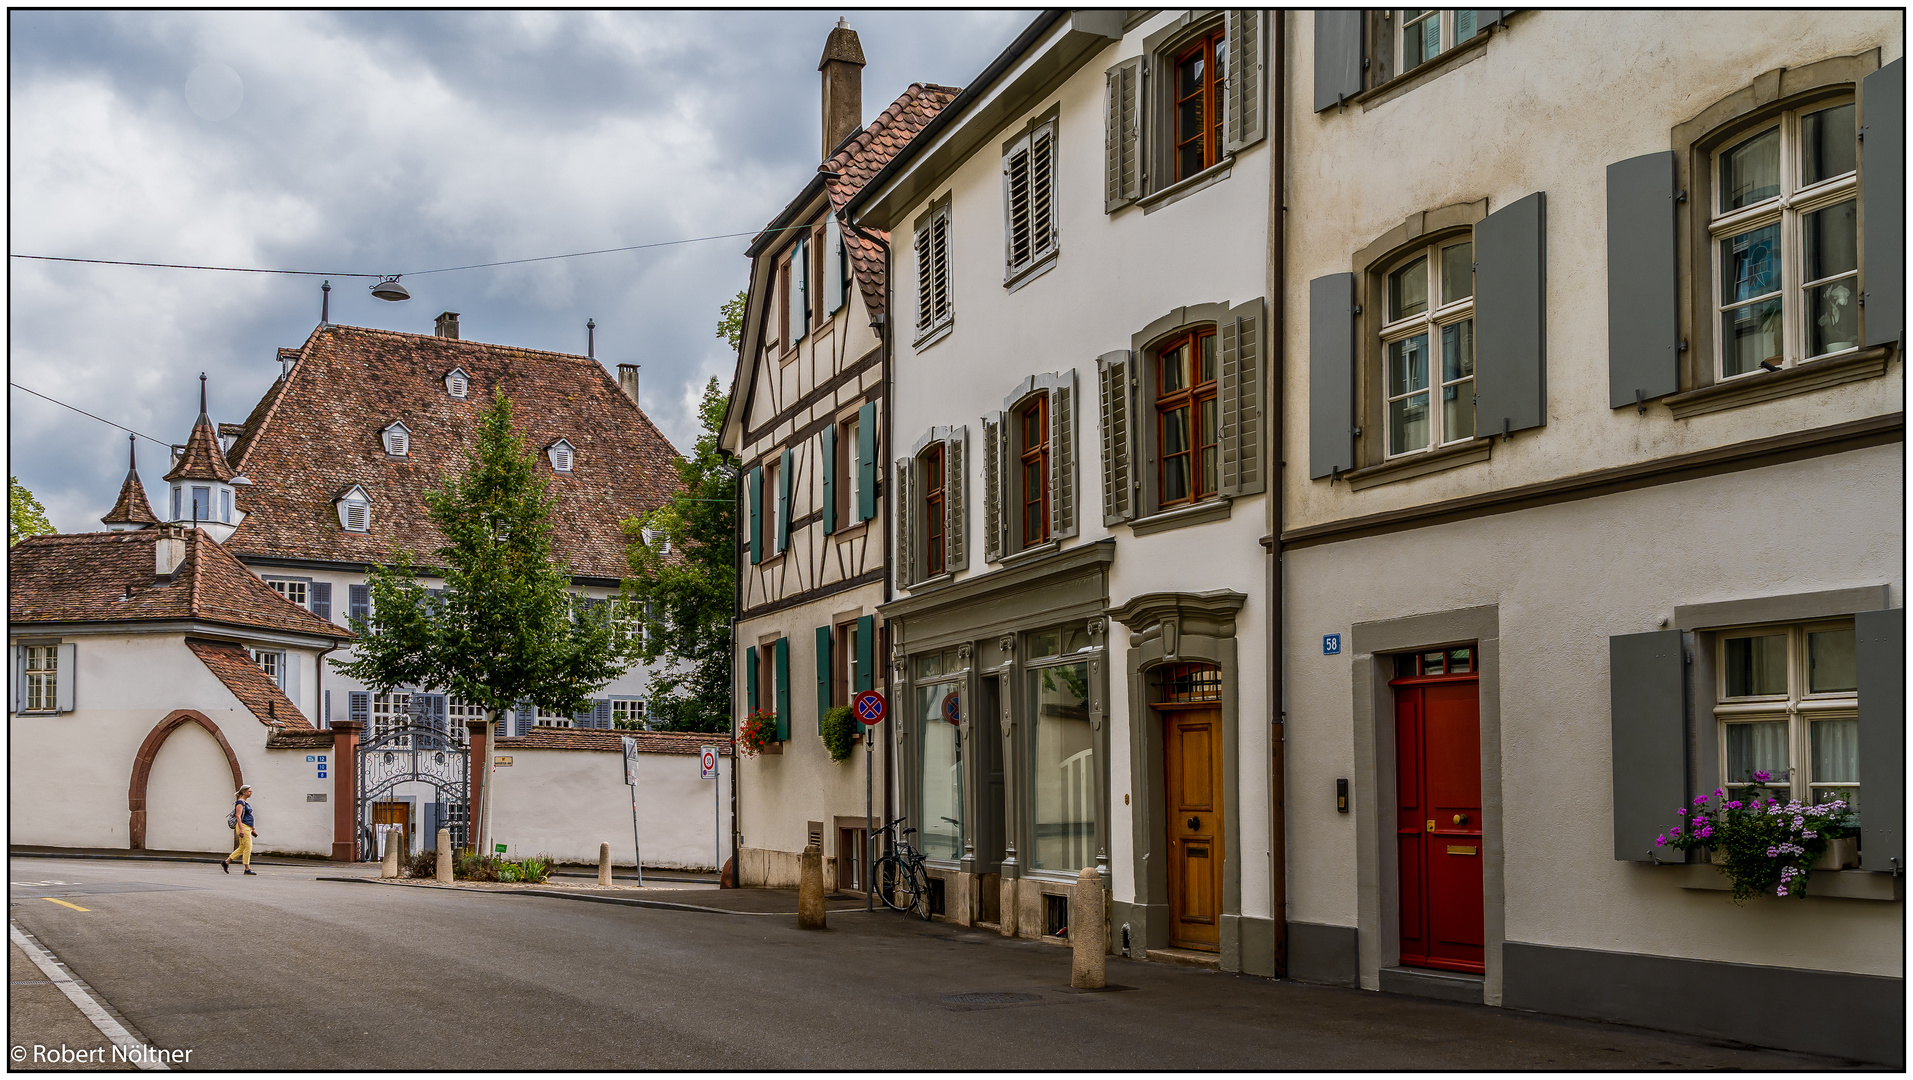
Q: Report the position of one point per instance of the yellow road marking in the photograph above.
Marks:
(63, 903)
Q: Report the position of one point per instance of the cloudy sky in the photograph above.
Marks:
(386, 143)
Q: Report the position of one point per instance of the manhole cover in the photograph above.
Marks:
(991, 997)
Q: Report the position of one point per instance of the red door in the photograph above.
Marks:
(1438, 817)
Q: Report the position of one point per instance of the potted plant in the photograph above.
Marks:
(758, 733)
(839, 731)
(1763, 845)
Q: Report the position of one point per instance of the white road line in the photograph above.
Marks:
(108, 1026)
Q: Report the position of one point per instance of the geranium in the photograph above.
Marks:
(757, 732)
(1763, 845)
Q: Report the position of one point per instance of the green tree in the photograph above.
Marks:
(506, 628)
(25, 516)
(684, 576)
(730, 320)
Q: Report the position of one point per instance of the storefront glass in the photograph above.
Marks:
(940, 825)
(1063, 764)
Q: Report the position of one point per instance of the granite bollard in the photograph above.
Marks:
(810, 889)
(1087, 939)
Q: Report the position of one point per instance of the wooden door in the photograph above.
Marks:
(396, 813)
(1438, 823)
(1192, 760)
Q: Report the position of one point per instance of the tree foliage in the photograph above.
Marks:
(25, 516)
(506, 628)
(683, 559)
(730, 320)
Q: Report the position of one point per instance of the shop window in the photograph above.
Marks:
(1788, 706)
(940, 773)
(1062, 768)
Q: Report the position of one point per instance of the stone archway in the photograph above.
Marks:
(143, 768)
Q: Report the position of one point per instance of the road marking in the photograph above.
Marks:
(88, 1007)
(63, 903)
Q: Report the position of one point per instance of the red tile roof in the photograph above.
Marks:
(649, 742)
(860, 158)
(203, 459)
(233, 666)
(132, 509)
(315, 434)
(111, 577)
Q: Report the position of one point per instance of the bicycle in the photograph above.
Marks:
(899, 875)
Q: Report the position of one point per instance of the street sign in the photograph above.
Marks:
(953, 708)
(869, 707)
(630, 761)
(707, 763)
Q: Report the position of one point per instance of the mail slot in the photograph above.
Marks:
(1463, 849)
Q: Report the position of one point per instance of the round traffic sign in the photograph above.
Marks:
(953, 707)
(708, 761)
(869, 707)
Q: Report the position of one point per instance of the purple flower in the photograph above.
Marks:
(1762, 777)
(1735, 805)
(1707, 832)
(1661, 840)
(1771, 852)
(1682, 811)
(1699, 800)
(1780, 890)
(1676, 830)
(1718, 793)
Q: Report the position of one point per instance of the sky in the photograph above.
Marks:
(396, 142)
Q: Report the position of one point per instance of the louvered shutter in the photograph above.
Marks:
(956, 517)
(786, 463)
(1511, 317)
(1240, 400)
(752, 696)
(824, 641)
(526, 718)
(833, 265)
(800, 289)
(1883, 202)
(602, 717)
(19, 678)
(1648, 725)
(358, 707)
(754, 490)
(439, 719)
(780, 660)
(1880, 638)
(66, 678)
(1643, 317)
(358, 603)
(995, 454)
(1062, 449)
(867, 462)
(1042, 188)
(583, 717)
(1119, 489)
(1122, 135)
(926, 314)
(1338, 56)
(1018, 244)
(1247, 113)
(903, 501)
(319, 595)
(829, 471)
(940, 264)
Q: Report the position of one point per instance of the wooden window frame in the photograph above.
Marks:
(43, 675)
(1192, 396)
(930, 467)
(1211, 49)
(1799, 707)
(1446, 39)
(1038, 502)
(768, 518)
(1430, 321)
(846, 468)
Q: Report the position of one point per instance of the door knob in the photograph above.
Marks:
(1195, 823)
(1461, 819)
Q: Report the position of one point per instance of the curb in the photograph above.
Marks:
(625, 901)
(149, 858)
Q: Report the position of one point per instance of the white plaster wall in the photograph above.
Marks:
(564, 803)
(1566, 578)
(189, 794)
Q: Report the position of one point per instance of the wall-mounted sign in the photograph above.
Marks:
(501, 762)
(1331, 644)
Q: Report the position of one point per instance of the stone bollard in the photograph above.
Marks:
(1086, 936)
(604, 864)
(389, 865)
(445, 856)
(810, 889)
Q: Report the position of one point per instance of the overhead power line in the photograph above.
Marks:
(83, 412)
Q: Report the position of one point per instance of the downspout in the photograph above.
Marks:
(1278, 730)
(737, 612)
(882, 657)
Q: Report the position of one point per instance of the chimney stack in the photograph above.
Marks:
(169, 550)
(628, 381)
(447, 325)
(842, 66)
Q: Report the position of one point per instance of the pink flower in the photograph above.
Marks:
(1780, 890)
(1661, 840)
(1682, 811)
(1676, 830)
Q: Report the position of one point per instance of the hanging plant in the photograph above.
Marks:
(1763, 845)
(839, 729)
(758, 732)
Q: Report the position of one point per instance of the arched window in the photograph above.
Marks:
(1186, 417)
(1431, 304)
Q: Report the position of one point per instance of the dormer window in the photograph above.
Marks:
(355, 510)
(457, 383)
(398, 440)
(561, 455)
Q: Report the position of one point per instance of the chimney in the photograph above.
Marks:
(447, 325)
(628, 381)
(842, 66)
(169, 550)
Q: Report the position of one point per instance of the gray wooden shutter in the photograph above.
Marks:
(19, 678)
(1239, 398)
(926, 304)
(66, 678)
(1246, 109)
(319, 596)
(1881, 640)
(995, 454)
(825, 635)
(358, 706)
(439, 719)
(956, 516)
(829, 469)
(867, 462)
(751, 693)
(1643, 320)
(800, 289)
(780, 672)
(1331, 375)
(833, 265)
(1883, 202)
(1018, 244)
(1648, 724)
(1062, 460)
(1511, 329)
(754, 490)
(1122, 135)
(526, 718)
(601, 715)
(1338, 56)
(905, 507)
(358, 603)
(786, 463)
(1119, 489)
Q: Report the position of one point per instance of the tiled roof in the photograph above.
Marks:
(315, 434)
(110, 577)
(203, 459)
(860, 158)
(233, 666)
(649, 742)
(132, 509)
(300, 739)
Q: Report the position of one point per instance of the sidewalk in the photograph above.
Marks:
(569, 870)
(716, 901)
(38, 1014)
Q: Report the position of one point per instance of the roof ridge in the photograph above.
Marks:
(461, 342)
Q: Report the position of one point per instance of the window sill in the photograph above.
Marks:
(1771, 386)
(1183, 188)
(934, 334)
(1825, 884)
(1030, 273)
(1404, 468)
(1472, 49)
(769, 561)
(931, 584)
(1217, 509)
(1031, 553)
(851, 532)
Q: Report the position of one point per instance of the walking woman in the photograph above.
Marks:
(243, 832)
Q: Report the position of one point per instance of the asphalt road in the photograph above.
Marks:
(285, 972)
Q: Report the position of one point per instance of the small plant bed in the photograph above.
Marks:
(758, 733)
(839, 729)
(1764, 846)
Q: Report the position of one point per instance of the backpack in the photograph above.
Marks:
(232, 817)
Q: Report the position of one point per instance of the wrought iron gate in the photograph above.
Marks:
(415, 753)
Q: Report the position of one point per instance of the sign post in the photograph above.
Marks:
(631, 781)
(707, 769)
(869, 707)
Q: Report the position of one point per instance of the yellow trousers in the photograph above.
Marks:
(242, 849)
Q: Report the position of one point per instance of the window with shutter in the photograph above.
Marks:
(1429, 309)
(1032, 425)
(1122, 135)
(867, 462)
(457, 383)
(903, 500)
(932, 245)
(781, 674)
(829, 467)
(1029, 167)
(935, 503)
(40, 674)
(321, 602)
(398, 440)
(1113, 385)
(1185, 425)
(995, 458)
(358, 603)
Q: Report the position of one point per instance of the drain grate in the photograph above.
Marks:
(990, 997)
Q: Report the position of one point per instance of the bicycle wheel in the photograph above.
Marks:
(920, 890)
(892, 878)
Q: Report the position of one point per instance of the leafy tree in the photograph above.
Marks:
(684, 566)
(506, 628)
(25, 516)
(730, 320)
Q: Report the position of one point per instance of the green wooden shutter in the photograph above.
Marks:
(1119, 488)
(866, 653)
(785, 464)
(1062, 456)
(867, 462)
(1239, 397)
(1643, 317)
(956, 516)
(1880, 637)
(1338, 56)
(901, 502)
(833, 265)
(1247, 114)
(995, 454)
(1648, 725)
(1511, 327)
(754, 490)
(1331, 374)
(829, 467)
(800, 288)
(780, 660)
(823, 674)
(1883, 206)
(751, 696)
(1122, 135)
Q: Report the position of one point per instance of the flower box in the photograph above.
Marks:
(1841, 854)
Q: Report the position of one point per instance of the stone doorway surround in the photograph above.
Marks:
(143, 768)
(1171, 628)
